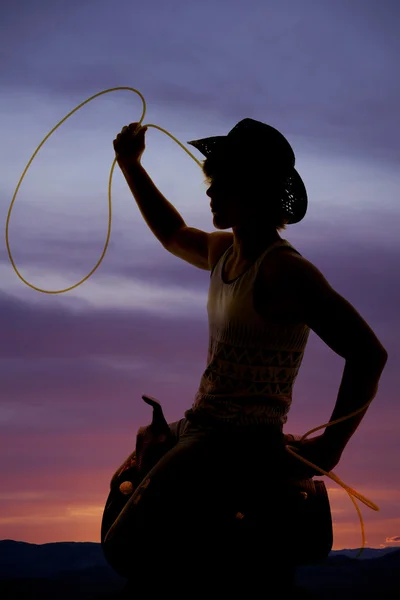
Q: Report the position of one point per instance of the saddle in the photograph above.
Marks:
(305, 504)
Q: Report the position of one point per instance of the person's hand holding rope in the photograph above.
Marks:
(129, 145)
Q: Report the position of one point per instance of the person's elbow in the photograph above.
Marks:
(372, 357)
(375, 350)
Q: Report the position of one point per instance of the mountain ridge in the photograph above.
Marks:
(79, 569)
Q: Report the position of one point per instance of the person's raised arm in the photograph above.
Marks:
(197, 247)
(161, 217)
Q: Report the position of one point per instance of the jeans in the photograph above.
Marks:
(203, 519)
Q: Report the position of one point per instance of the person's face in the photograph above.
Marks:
(231, 201)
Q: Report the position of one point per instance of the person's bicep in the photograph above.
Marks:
(333, 318)
(198, 248)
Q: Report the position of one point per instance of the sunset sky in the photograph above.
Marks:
(74, 366)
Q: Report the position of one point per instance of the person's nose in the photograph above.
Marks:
(210, 191)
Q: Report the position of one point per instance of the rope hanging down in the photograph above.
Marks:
(351, 492)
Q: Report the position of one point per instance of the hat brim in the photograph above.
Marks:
(294, 200)
(208, 146)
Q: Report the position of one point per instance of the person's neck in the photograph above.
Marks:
(248, 244)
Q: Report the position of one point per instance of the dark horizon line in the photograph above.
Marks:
(397, 547)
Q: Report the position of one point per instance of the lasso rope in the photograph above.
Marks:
(351, 492)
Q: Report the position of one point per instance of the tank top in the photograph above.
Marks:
(252, 362)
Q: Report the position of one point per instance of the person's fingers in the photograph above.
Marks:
(135, 129)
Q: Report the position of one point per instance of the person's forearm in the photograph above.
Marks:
(359, 385)
(161, 217)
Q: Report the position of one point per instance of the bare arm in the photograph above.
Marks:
(359, 385)
(160, 215)
(343, 329)
(192, 245)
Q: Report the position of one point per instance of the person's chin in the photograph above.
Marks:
(220, 222)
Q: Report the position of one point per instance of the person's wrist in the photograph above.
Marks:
(130, 165)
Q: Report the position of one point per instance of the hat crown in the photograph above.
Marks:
(264, 138)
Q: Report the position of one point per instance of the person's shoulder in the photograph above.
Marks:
(293, 273)
(287, 260)
(220, 241)
(322, 308)
(290, 280)
(279, 281)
